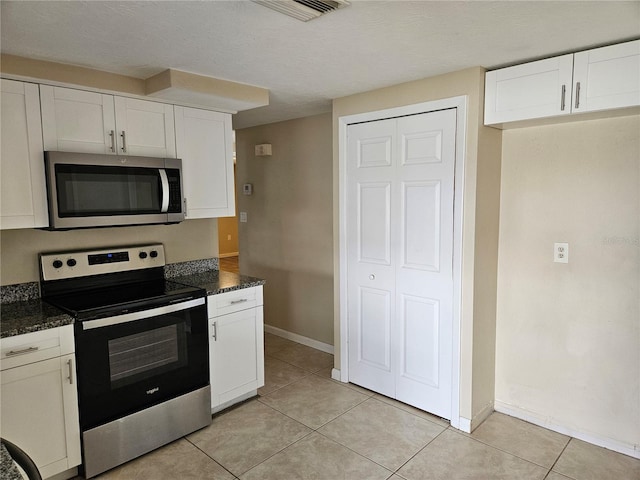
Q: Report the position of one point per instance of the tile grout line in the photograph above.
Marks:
(211, 458)
(410, 413)
(468, 435)
(554, 463)
(420, 450)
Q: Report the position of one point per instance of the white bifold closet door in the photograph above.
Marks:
(400, 200)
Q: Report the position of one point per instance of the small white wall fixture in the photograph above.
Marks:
(460, 104)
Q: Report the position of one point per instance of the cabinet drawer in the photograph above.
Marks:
(36, 346)
(235, 301)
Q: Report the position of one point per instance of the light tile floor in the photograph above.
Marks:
(304, 425)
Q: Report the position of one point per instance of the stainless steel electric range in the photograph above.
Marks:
(141, 350)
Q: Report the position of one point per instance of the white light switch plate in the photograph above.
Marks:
(243, 217)
(561, 252)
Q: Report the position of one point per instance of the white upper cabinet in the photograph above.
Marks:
(532, 90)
(79, 121)
(594, 80)
(607, 77)
(145, 128)
(22, 185)
(204, 143)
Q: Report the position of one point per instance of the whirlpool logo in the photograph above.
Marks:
(153, 390)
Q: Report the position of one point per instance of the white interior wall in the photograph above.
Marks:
(568, 335)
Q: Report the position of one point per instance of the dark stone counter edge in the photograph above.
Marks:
(49, 322)
(217, 281)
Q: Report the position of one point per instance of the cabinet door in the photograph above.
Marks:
(145, 128)
(204, 143)
(22, 185)
(40, 413)
(607, 77)
(533, 90)
(237, 355)
(77, 121)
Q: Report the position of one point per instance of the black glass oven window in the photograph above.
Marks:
(143, 355)
(89, 190)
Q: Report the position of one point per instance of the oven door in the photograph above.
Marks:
(132, 361)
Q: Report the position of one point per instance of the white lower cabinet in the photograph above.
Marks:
(39, 400)
(236, 342)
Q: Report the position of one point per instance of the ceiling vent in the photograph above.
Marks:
(304, 10)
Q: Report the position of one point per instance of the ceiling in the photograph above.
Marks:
(368, 45)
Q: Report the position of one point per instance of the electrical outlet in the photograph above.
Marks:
(243, 217)
(561, 252)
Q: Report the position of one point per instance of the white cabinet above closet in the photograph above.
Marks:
(79, 121)
(594, 80)
(607, 77)
(204, 143)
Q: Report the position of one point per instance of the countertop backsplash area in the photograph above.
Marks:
(190, 267)
(20, 292)
(23, 310)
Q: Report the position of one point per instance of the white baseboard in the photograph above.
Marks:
(543, 421)
(335, 375)
(225, 255)
(469, 425)
(309, 342)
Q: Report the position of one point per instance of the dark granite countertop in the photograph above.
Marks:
(29, 316)
(8, 469)
(215, 281)
(17, 318)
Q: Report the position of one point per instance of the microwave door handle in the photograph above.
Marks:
(165, 190)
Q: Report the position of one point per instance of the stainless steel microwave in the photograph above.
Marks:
(95, 190)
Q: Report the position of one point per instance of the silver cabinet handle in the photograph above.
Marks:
(11, 353)
(372, 277)
(577, 94)
(124, 142)
(70, 365)
(242, 300)
(564, 92)
(112, 134)
(215, 331)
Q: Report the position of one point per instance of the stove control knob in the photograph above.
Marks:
(57, 263)
(153, 254)
(142, 255)
(71, 262)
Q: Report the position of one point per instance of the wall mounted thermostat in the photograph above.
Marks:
(247, 189)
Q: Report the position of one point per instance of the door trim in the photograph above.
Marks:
(459, 103)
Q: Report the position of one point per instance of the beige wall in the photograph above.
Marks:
(228, 236)
(189, 240)
(480, 218)
(288, 237)
(568, 335)
(228, 242)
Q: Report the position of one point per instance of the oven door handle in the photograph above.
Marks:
(164, 180)
(130, 317)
